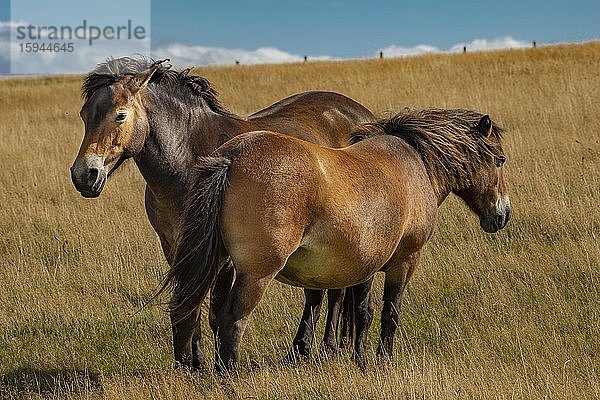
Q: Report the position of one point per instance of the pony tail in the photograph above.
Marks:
(198, 247)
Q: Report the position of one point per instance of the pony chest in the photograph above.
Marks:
(163, 217)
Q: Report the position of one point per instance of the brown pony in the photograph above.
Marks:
(164, 120)
(317, 217)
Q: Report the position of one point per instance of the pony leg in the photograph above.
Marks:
(335, 298)
(347, 317)
(197, 352)
(302, 343)
(395, 282)
(219, 293)
(184, 330)
(363, 310)
(218, 296)
(232, 319)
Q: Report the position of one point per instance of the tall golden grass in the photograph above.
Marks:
(511, 315)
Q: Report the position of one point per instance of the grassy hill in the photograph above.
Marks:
(512, 315)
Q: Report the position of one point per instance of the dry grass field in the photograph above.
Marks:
(511, 315)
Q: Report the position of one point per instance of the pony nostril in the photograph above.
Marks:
(92, 175)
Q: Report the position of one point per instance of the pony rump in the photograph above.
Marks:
(198, 248)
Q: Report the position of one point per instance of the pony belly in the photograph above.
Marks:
(322, 270)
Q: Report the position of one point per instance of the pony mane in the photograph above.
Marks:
(114, 69)
(447, 141)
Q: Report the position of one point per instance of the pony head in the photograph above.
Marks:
(487, 193)
(115, 119)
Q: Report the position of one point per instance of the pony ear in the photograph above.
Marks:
(484, 126)
(140, 80)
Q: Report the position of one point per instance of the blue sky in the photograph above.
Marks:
(265, 31)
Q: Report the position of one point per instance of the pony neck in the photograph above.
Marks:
(442, 186)
(178, 134)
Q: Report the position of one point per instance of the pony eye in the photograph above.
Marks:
(121, 116)
(500, 160)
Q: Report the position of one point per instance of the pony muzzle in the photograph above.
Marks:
(498, 216)
(88, 175)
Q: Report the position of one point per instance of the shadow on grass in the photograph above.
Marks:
(47, 382)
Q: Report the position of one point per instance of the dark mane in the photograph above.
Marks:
(177, 82)
(446, 140)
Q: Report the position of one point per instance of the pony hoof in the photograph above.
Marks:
(362, 366)
(227, 368)
(345, 343)
(293, 357)
(361, 363)
(181, 366)
(384, 359)
(328, 350)
(188, 368)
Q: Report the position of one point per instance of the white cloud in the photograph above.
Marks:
(199, 55)
(506, 42)
(399, 51)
